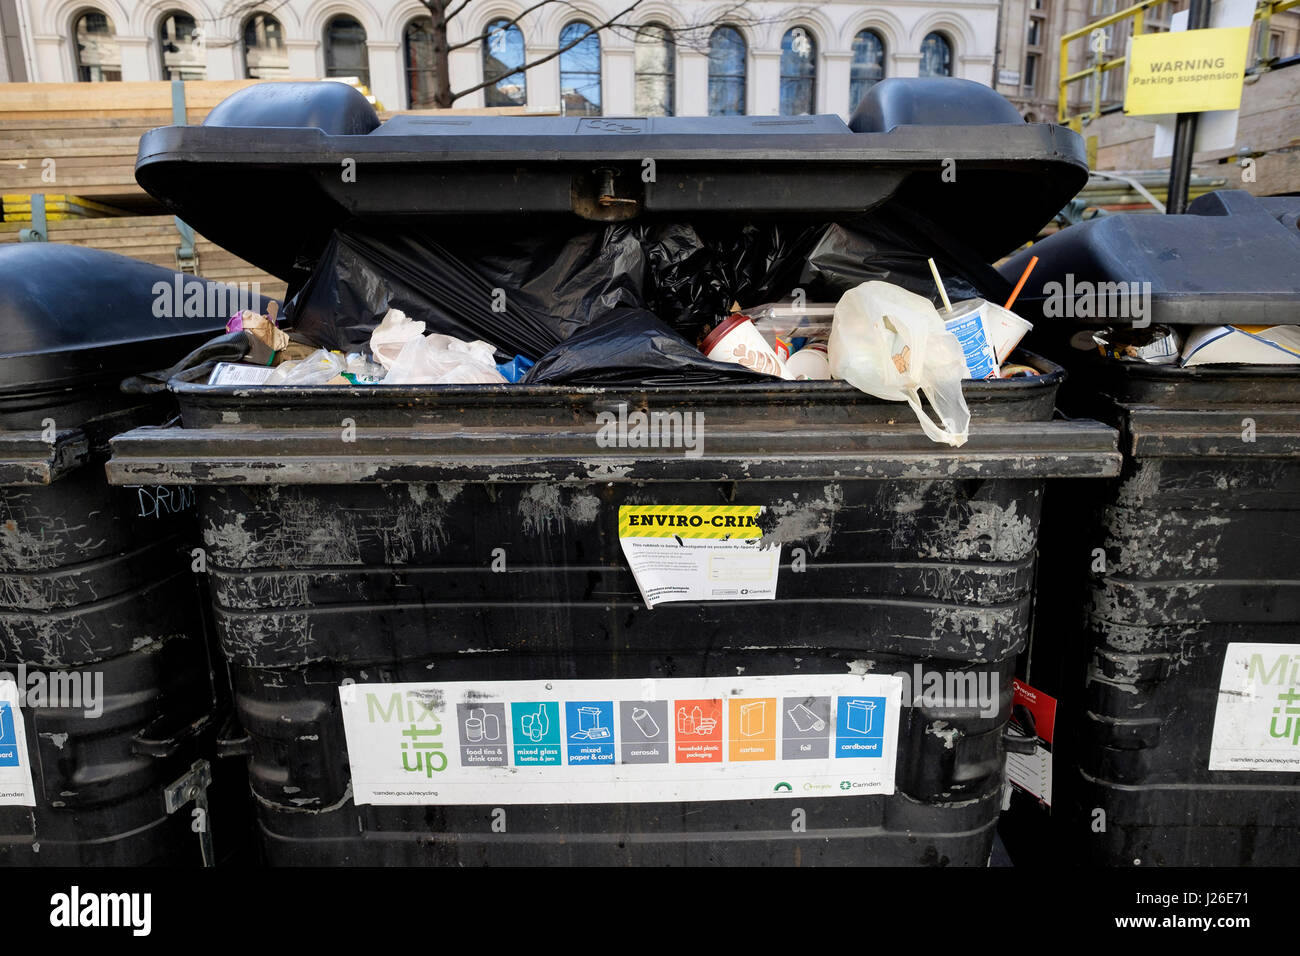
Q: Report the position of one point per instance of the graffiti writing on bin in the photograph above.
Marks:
(159, 500)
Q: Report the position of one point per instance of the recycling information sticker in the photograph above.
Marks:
(621, 741)
(1257, 721)
(698, 552)
(15, 765)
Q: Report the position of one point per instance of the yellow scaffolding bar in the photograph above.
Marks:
(1264, 10)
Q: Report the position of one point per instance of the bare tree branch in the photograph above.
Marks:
(450, 14)
(238, 12)
(504, 23)
(550, 56)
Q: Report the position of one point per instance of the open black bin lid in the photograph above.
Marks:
(74, 316)
(1233, 259)
(278, 166)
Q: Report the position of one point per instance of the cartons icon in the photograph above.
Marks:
(753, 718)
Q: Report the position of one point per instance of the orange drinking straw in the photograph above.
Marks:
(1021, 284)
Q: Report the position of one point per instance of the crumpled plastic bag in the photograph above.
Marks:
(316, 369)
(392, 334)
(444, 360)
(891, 343)
(528, 290)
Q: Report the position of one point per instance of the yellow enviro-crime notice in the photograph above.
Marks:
(1188, 72)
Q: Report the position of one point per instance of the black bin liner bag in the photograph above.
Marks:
(598, 289)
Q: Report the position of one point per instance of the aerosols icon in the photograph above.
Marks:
(645, 722)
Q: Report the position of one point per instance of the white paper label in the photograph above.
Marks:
(698, 553)
(1033, 716)
(232, 373)
(621, 741)
(15, 764)
(1032, 772)
(1257, 721)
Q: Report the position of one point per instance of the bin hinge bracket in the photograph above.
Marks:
(605, 195)
(187, 253)
(193, 788)
(38, 231)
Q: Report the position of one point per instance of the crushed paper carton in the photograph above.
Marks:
(1242, 344)
(1154, 345)
(988, 334)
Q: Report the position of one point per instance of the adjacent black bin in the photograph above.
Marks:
(1192, 551)
(101, 620)
(471, 534)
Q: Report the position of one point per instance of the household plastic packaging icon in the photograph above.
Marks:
(891, 343)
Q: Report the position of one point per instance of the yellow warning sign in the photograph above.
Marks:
(1187, 72)
(690, 521)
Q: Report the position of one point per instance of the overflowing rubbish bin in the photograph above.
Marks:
(108, 700)
(1173, 741)
(642, 605)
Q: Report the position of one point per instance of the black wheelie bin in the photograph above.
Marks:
(1166, 626)
(108, 697)
(436, 599)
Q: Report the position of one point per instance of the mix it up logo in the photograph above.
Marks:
(1284, 723)
(1130, 301)
(197, 299)
(62, 690)
(639, 429)
(422, 749)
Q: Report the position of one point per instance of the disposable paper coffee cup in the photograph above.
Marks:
(737, 340)
(1004, 329)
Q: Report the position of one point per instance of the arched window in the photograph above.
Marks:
(182, 54)
(265, 56)
(345, 49)
(798, 72)
(580, 70)
(98, 56)
(418, 46)
(727, 55)
(936, 55)
(503, 55)
(656, 71)
(868, 67)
